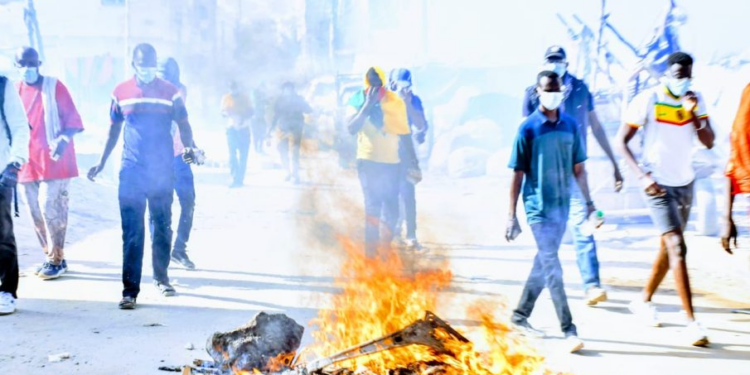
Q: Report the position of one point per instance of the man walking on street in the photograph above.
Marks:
(236, 108)
(547, 158)
(289, 116)
(379, 119)
(738, 171)
(14, 151)
(579, 104)
(400, 82)
(147, 106)
(184, 184)
(671, 116)
(52, 164)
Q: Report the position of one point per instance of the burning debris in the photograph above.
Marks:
(268, 343)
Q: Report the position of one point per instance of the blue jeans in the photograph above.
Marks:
(380, 182)
(408, 204)
(136, 192)
(546, 272)
(238, 141)
(184, 186)
(588, 263)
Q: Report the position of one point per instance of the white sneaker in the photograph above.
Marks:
(527, 330)
(697, 334)
(646, 312)
(7, 303)
(595, 295)
(573, 343)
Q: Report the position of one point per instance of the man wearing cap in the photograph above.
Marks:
(578, 104)
(400, 81)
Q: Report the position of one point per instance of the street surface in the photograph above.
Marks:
(269, 247)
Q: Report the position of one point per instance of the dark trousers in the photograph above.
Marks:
(184, 186)
(136, 192)
(239, 145)
(546, 272)
(408, 204)
(290, 138)
(8, 253)
(380, 182)
(259, 134)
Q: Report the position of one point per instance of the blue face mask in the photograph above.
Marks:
(30, 75)
(145, 75)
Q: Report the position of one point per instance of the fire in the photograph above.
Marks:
(378, 298)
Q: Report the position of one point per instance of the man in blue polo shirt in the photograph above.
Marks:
(146, 105)
(578, 104)
(547, 159)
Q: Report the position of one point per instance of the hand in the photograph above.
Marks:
(651, 188)
(405, 95)
(690, 101)
(94, 171)
(414, 175)
(512, 229)
(618, 180)
(193, 156)
(371, 97)
(420, 136)
(9, 177)
(729, 236)
(58, 148)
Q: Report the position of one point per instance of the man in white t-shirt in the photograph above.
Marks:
(672, 117)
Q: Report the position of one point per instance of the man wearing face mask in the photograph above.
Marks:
(289, 113)
(146, 106)
(579, 104)
(400, 82)
(672, 116)
(378, 118)
(52, 164)
(237, 109)
(548, 135)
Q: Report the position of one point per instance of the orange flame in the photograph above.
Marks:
(378, 298)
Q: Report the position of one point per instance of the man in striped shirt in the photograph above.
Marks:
(146, 106)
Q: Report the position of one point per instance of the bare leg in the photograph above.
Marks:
(676, 249)
(658, 272)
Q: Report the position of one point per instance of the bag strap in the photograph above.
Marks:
(3, 83)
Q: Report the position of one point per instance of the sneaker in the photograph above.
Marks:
(645, 311)
(595, 295)
(7, 303)
(573, 343)
(40, 268)
(527, 330)
(127, 303)
(51, 271)
(697, 334)
(64, 265)
(166, 289)
(183, 260)
(413, 244)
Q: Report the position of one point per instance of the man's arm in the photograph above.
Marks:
(579, 170)
(15, 115)
(705, 131)
(109, 146)
(697, 107)
(408, 145)
(730, 230)
(357, 121)
(515, 193)
(601, 138)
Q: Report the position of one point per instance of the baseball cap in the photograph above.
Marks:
(555, 52)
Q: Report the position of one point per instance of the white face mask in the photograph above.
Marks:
(551, 100)
(678, 86)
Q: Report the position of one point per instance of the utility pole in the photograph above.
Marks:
(32, 25)
(127, 40)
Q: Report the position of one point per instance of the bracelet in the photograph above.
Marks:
(703, 126)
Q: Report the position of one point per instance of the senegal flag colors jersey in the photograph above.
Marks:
(669, 134)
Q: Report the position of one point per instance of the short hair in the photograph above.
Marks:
(146, 49)
(546, 73)
(681, 58)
